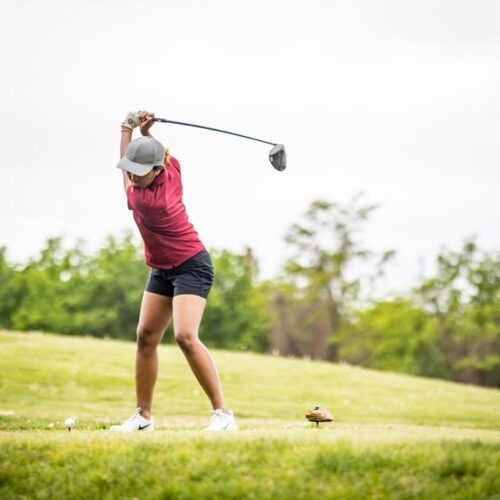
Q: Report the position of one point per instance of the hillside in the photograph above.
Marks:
(49, 376)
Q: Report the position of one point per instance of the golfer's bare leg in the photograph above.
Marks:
(187, 314)
(156, 311)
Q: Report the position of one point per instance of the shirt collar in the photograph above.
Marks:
(159, 179)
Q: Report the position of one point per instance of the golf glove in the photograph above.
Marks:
(131, 120)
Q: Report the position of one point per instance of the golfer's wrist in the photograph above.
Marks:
(126, 129)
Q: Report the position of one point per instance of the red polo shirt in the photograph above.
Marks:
(169, 237)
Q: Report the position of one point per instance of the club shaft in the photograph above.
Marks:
(163, 120)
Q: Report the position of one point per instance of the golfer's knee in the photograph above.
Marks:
(147, 339)
(186, 339)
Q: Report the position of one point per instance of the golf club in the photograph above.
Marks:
(277, 155)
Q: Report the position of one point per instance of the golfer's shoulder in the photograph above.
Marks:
(175, 163)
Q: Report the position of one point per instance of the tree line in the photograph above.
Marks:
(320, 306)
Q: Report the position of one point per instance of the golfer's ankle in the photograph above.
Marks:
(223, 408)
(146, 413)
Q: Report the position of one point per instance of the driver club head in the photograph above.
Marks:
(277, 156)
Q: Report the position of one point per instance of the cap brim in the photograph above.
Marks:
(134, 168)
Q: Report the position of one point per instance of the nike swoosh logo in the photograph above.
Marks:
(144, 426)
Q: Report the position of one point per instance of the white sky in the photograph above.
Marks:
(399, 99)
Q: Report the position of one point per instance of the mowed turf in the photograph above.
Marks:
(395, 436)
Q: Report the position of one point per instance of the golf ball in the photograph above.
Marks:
(69, 423)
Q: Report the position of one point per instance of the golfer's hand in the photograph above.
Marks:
(132, 120)
(146, 119)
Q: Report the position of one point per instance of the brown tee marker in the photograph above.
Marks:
(318, 415)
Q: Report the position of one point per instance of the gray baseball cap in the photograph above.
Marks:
(142, 155)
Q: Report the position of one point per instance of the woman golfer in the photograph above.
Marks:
(181, 272)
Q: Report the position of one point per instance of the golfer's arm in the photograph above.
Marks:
(126, 138)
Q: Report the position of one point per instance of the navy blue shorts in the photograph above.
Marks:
(195, 276)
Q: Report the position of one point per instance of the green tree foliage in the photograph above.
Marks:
(69, 292)
(463, 299)
(76, 293)
(449, 327)
(325, 269)
(237, 316)
(393, 335)
(8, 298)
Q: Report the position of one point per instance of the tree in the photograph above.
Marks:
(464, 299)
(69, 292)
(8, 298)
(324, 264)
(393, 335)
(448, 326)
(236, 316)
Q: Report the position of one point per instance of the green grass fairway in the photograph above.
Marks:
(395, 436)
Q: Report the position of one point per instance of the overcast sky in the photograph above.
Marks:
(398, 99)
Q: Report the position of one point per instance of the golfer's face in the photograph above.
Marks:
(142, 181)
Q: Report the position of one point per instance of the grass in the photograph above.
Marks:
(395, 436)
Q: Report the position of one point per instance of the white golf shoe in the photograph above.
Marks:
(222, 421)
(135, 423)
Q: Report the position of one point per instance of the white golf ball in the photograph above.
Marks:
(69, 423)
